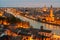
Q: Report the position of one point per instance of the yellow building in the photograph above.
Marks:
(1, 13)
(51, 13)
(55, 37)
(44, 8)
(50, 17)
(22, 25)
(5, 22)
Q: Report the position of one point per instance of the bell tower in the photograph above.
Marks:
(51, 13)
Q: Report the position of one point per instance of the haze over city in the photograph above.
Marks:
(29, 3)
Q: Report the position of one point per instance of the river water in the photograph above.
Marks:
(55, 29)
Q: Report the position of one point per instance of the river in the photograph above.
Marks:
(55, 29)
(36, 24)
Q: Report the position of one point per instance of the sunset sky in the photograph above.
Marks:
(29, 3)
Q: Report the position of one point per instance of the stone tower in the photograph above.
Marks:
(51, 13)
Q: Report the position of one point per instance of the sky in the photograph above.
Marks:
(29, 3)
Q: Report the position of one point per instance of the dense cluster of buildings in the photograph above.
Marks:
(23, 30)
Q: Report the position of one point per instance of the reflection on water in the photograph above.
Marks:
(55, 29)
(35, 24)
(51, 27)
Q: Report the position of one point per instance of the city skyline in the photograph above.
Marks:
(29, 3)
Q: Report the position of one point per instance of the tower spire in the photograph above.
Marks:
(51, 6)
(51, 13)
